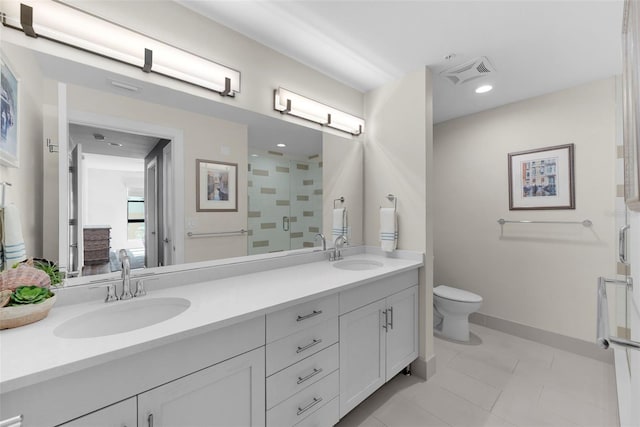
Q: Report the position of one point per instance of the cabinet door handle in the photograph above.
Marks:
(310, 405)
(622, 244)
(314, 313)
(285, 223)
(150, 420)
(12, 422)
(311, 375)
(308, 346)
(390, 309)
(386, 319)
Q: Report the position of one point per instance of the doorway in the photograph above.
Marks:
(116, 198)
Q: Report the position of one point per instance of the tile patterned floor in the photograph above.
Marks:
(498, 380)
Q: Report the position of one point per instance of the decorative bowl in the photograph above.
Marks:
(19, 315)
(24, 276)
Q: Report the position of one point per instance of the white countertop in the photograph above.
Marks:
(32, 353)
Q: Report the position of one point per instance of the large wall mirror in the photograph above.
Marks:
(174, 178)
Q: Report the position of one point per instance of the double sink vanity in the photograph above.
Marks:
(272, 340)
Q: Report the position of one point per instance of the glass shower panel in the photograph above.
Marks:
(306, 203)
(285, 203)
(269, 202)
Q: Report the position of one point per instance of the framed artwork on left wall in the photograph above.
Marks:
(542, 179)
(10, 115)
(216, 186)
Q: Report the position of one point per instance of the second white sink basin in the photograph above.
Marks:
(122, 316)
(358, 264)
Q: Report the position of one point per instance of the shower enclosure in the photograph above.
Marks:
(285, 202)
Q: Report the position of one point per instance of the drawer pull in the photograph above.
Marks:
(310, 405)
(314, 313)
(308, 346)
(15, 421)
(311, 375)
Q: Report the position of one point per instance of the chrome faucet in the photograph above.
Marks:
(337, 246)
(126, 275)
(324, 241)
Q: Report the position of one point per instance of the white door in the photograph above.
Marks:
(151, 214)
(362, 354)
(634, 314)
(122, 414)
(229, 394)
(76, 242)
(167, 206)
(402, 330)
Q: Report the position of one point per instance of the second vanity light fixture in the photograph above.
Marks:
(288, 102)
(72, 27)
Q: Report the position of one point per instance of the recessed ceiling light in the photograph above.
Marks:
(281, 145)
(484, 88)
(114, 144)
(254, 155)
(98, 137)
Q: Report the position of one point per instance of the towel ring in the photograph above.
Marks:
(340, 199)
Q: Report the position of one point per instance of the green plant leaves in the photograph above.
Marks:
(29, 295)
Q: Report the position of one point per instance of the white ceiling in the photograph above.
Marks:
(536, 46)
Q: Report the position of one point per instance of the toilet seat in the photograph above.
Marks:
(455, 294)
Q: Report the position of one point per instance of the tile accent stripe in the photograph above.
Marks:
(282, 203)
(266, 225)
(260, 243)
(282, 169)
(261, 172)
(267, 190)
(254, 214)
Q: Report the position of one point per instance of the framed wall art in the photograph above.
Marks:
(9, 114)
(631, 103)
(216, 186)
(542, 179)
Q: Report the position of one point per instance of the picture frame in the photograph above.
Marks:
(9, 115)
(542, 178)
(216, 186)
(631, 104)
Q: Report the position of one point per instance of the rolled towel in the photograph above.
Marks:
(388, 229)
(339, 223)
(13, 242)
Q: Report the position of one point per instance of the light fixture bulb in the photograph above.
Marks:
(281, 145)
(484, 89)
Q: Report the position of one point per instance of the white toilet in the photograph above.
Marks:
(451, 310)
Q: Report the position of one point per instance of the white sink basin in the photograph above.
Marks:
(358, 264)
(122, 316)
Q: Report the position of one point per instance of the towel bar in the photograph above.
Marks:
(586, 222)
(339, 199)
(217, 233)
(603, 339)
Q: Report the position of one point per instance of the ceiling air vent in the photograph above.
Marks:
(468, 71)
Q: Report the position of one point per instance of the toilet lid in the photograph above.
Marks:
(456, 294)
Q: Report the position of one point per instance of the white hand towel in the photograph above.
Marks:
(339, 223)
(13, 242)
(388, 229)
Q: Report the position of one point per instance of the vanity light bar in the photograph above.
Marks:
(288, 102)
(72, 27)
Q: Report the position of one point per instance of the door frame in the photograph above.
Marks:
(151, 212)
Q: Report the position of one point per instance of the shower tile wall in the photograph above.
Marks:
(279, 189)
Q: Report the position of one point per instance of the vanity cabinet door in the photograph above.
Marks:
(231, 393)
(402, 330)
(122, 414)
(362, 354)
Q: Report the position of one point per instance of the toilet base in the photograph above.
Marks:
(456, 327)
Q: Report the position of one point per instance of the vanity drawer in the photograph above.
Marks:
(300, 375)
(328, 415)
(298, 317)
(293, 348)
(298, 407)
